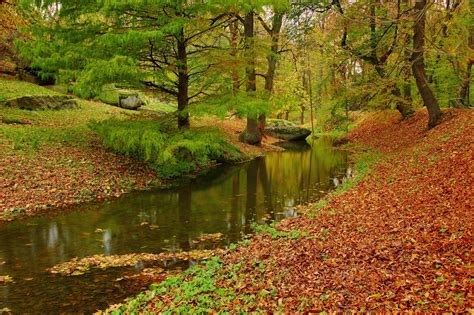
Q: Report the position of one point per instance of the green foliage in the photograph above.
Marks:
(243, 105)
(196, 291)
(12, 88)
(271, 229)
(170, 151)
(361, 169)
(109, 94)
(48, 127)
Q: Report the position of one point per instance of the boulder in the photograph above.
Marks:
(42, 102)
(286, 130)
(130, 101)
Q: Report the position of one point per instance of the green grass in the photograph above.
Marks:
(48, 127)
(272, 230)
(362, 167)
(10, 89)
(198, 290)
(110, 95)
(170, 151)
(160, 106)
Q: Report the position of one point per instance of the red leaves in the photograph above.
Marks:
(400, 240)
(62, 176)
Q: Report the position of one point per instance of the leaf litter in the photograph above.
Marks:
(399, 240)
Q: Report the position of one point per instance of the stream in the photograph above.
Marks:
(227, 200)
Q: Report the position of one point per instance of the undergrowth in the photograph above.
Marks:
(195, 291)
(171, 152)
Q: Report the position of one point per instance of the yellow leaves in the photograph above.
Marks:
(5, 280)
(77, 267)
(215, 237)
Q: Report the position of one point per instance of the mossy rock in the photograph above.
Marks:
(280, 123)
(43, 102)
(288, 133)
(131, 101)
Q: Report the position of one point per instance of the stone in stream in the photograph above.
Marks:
(42, 102)
(286, 130)
(130, 101)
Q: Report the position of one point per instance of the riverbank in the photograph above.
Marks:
(397, 239)
(51, 160)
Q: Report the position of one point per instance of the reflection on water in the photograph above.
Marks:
(226, 200)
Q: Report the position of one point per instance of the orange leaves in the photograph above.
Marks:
(61, 176)
(399, 240)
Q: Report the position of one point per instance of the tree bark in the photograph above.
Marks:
(234, 38)
(418, 65)
(464, 89)
(183, 82)
(274, 33)
(252, 133)
(466, 83)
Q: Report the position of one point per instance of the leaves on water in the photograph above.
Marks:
(5, 279)
(212, 238)
(77, 267)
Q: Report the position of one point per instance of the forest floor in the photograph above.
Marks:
(398, 238)
(51, 160)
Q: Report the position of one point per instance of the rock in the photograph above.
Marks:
(280, 123)
(130, 101)
(42, 102)
(286, 130)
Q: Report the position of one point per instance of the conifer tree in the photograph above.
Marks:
(152, 43)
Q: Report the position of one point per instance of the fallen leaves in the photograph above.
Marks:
(400, 240)
(5, 279)
(212, 238)
(77, 267)
(61, 175)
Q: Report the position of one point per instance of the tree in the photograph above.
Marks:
(418, 66)
(370, 51)
(252, 134)
(274, 33)
(158, 44)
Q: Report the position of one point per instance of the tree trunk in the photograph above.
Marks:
(407, 106)
(234, 38)
(287, 115)
(466, 83)
(302, 115)
(183, 82)
(464, 89)
(252, 133)
(418, 65)
(277, 22)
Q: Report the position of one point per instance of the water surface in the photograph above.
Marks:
(226, 200)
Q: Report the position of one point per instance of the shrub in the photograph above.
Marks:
(170, 151)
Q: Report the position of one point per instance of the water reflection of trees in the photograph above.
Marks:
(226, 201)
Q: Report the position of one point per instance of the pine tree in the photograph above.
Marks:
(140, 43)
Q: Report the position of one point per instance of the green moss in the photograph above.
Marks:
(170, 151)
(11, 88)
(110, 95)
(50, 127)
